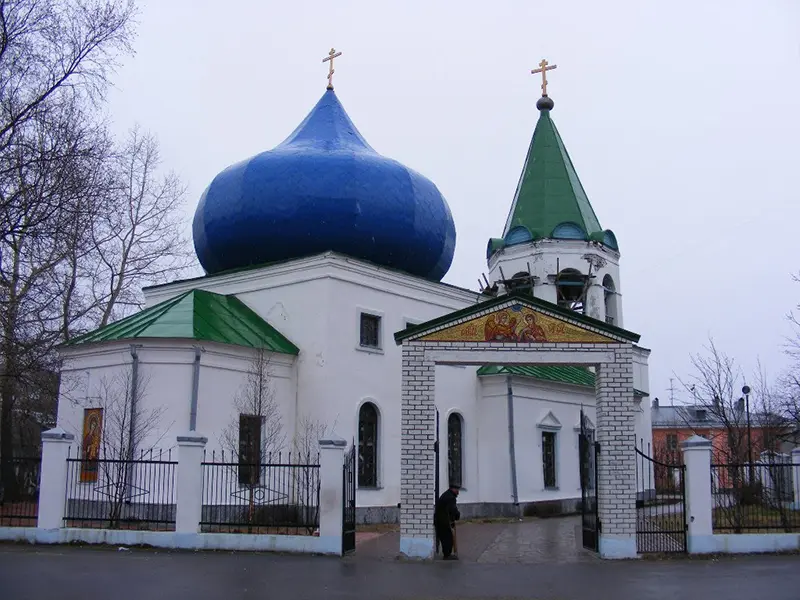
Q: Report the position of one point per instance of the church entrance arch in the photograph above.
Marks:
(511, 330)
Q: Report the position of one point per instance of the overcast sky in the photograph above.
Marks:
(681, 118)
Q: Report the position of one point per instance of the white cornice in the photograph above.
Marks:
(312, 268)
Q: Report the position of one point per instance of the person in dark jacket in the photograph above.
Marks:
(444, 517)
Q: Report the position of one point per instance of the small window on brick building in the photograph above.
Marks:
(672, 441)
(370, 331)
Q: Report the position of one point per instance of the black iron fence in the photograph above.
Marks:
(280, 496)
(757, 497)
(660, 505)
(121, 494)
(19, 491)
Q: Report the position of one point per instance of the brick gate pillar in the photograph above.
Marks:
(418, 434)
(617, 462)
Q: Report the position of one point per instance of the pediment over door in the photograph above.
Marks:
(518, 323)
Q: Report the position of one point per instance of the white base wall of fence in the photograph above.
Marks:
(744, 543)
(722, 519)
(331, 545)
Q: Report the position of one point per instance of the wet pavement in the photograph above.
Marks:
(531, 541)
(84, 573)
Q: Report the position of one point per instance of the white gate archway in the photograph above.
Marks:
(519, 330)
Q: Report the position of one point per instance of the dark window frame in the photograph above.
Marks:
(250, 432)
(368, 438)
(367, 337)
(549, 460)
(455, 449)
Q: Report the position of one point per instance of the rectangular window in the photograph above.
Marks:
(549, 458)
(672, 441)
(370, 331)
(249, 449)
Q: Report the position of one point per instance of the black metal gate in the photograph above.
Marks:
(349, 504)
(661, 502)
(436, 480)
(589, 451)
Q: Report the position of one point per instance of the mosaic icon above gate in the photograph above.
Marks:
(517, 323)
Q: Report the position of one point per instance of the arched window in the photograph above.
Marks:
(610, 297)
(518, 235)
(569, 231)
(455, 449)
(571, 289)
(368, 445)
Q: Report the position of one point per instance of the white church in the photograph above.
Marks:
(316, 253)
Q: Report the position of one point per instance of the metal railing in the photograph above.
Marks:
(121, 494)
(19, 491)
(754, 497)
(661, 503)
(279, 497)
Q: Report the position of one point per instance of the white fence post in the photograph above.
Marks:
(331, 496)
(699, 503)
(189, 495)
(53, 485)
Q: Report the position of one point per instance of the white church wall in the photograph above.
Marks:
(494, 465)
(101, 378)
(367, 374)
(539, 407)
(457, 393)
(222, 391)
(91, 376)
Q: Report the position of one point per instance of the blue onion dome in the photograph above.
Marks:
(324, 189)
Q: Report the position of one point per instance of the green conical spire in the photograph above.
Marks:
(549, 192)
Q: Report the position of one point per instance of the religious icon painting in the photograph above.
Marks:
(92, 435)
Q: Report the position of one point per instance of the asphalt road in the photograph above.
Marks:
(84, 573)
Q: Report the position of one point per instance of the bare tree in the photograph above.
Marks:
(142, 240)
(51, 49)
(255, 435)
(55, 60)
(129, 427)
(256, 399)
(715, 387)
(308, 432)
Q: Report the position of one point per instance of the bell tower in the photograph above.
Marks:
(553, 245)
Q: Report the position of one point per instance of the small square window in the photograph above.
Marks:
(370, 331)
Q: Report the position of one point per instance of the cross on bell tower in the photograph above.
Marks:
(544, 67)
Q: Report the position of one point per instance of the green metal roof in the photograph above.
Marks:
(197, 315)
(549, 192)
(560, 374)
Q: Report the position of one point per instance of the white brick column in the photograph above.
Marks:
(697, 458)
(418, 424)
(53, 486)
(796, 477)
(331, 493)
(617, 462)
(189, 495)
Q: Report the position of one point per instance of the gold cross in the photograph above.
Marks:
(331, 55)
(543, 69)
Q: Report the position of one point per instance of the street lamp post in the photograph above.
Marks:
(746, 392)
